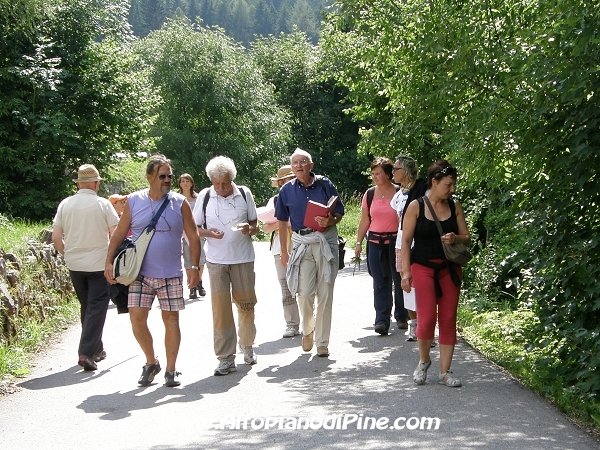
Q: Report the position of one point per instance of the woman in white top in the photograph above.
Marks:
(405, 174)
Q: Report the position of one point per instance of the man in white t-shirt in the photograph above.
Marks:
(228, 219)
(81, 232)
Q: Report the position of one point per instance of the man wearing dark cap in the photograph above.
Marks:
(81, 232)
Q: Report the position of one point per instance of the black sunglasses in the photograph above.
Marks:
(163, 176)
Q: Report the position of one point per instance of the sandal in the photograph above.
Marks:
(449, 380)
(420, 375)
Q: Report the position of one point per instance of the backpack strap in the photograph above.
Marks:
(275, 197)
(204, 203)
(371, 195)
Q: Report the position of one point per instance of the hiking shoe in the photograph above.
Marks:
(411, 333)
(420, 375)
(148, 372)
(225, 367)
(290, 332)
(87, 363)
(381, 329)
(193, 294)
(248, 352)
(308, 341)
(402, 325)
(322, 352)
(201, 290)
(170, 380)
(449, 380)
(99, 356)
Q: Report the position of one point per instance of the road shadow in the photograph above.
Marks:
(120, 404)
(72, 375)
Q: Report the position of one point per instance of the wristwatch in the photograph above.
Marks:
(195, 267)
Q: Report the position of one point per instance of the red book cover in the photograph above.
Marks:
(314, 209)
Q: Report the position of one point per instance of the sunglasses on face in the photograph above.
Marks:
(163, 176)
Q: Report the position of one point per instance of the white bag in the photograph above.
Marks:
(129, 257)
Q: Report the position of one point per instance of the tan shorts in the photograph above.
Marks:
(168, 290)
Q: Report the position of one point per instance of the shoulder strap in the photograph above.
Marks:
(370, 195)
(204, 203)
(319, 179)
(437, 222)
(160, 211)
(243, 192)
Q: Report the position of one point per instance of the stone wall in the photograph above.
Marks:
(31, 284)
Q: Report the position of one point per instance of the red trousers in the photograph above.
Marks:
(431, 308)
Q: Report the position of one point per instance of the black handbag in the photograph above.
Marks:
(341, 252)
(456, 253)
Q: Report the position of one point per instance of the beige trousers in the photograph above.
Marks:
(290, 306)
(227, 282)
(316, 315)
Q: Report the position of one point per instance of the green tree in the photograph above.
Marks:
(215, 102)
(264, 18)
(303, 17)
(241, 25)
(319, 123)
(63, 104)
(507, 91)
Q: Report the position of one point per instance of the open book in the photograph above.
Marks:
(314, 209)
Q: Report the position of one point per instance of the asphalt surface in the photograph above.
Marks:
(361, 397)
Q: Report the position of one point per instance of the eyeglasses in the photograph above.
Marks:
(396, 168)
(161, 228)
(302, 162)
(163, 176)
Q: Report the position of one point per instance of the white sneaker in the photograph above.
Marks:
(411, 333)
(225, 367)
(248, 352)
(290, 332)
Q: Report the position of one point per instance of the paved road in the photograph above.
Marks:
(367, 379)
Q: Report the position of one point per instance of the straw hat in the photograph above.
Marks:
(87, 172)
(283, 173)
(114, 198)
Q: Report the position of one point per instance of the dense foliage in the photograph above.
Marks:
(215, 102)
(507, 91)
(61, 98)
(319, 123)
(242, 19)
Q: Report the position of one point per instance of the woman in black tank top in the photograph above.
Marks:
(436, 280)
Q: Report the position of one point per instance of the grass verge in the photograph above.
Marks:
(502, 335)
(45, 313)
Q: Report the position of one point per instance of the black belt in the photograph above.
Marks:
(304, 231)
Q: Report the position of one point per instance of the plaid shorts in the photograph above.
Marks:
(168, 290)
